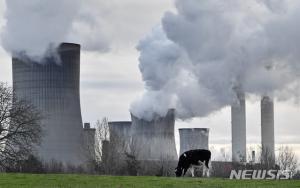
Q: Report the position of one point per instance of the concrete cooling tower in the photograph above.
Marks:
(267, 125)
(193, 138)
(154, 140)
(53, 87)
(120, 130)
(238, 129)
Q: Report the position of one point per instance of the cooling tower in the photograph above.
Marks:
(53, 87)
(154, 140)
(120, 130)
(267, 125)
(238, 129)
(193, 138)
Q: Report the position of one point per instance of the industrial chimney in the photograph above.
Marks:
(238, 129)
(154, 140)
(193, 138)
(267, 127)
(53, 87)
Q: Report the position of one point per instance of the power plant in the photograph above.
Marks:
(53, 87)
(238, 128)
(193, 138)
(154, 140)
(267, 126)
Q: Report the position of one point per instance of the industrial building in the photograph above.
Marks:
(52, 85)
(89, 142)
(154, 140)
(267, 126)
(238, 128)
(193, 138)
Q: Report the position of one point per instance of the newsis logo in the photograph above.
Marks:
(260, 174)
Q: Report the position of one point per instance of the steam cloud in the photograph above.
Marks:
(200, 57)
(37, 27)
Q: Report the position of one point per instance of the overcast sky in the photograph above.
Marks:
(111, 80)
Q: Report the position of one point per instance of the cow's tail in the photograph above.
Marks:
(207, 162)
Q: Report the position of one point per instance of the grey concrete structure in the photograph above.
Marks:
(267, 126)
(52, 85)
(154, 140)
(120, 130)
(193, 138)
(89, 142)
(238, 128)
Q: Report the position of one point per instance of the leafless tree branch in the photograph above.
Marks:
(20, 127)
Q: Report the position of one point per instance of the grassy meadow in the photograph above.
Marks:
(94, 181)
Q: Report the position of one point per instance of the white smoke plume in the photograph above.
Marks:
(35, 26)
(200, 55)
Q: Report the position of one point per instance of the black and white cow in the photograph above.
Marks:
(191, 159)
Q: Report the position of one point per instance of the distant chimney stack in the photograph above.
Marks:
(87, 125)
(238, 129)
(267, 127)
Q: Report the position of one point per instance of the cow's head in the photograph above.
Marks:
(178, 171)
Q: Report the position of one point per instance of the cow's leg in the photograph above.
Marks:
(203, 171)
(184, 171)
(208, 174)
(192, 171)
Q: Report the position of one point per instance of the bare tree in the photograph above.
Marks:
(287, 159)
(132, 153)
(267, 158)
(109, 149)
(20, 128)
(251, 154)
(114, 161)
(224, 154)
(101, 135)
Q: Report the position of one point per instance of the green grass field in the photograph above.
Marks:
(87, 181)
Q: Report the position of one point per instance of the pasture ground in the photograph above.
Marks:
(95, 181)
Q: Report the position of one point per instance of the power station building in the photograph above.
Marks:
(89, 142)
(193, 138)
(154, 140)
(52, 85)
(238, 128)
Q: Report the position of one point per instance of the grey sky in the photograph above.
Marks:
(111, 81)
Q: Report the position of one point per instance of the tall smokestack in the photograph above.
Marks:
(154, 140)
(238, 129)
(267, 126)
(193, 138)
(53, 87)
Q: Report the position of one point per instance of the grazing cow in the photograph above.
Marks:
(191, 159)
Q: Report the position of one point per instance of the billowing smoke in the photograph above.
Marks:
(36, 27)
(200, 57)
